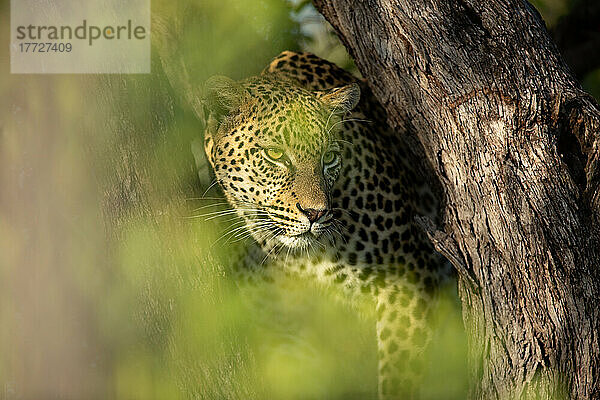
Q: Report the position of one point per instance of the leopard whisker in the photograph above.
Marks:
(329, 118)
(216, 214)
(216, 180)
(235, 227)
(203, 198)
(269, 253)
(256, 231)
(254, 227)
(343, 210)
(349, 120)
(336, 230)
(272, 235)
(287, 255)
(224, 203)
(319, 243)
(245, 225)
(330, 237)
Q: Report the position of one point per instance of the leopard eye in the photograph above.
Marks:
(329, 157)
(274, 153)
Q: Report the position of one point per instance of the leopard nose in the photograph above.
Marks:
(311, 213)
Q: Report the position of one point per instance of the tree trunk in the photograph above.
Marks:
(514, 142)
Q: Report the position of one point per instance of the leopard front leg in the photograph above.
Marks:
(403, 333)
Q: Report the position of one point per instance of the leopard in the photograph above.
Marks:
(328, 191)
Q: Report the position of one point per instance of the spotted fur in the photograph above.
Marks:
(337, 206)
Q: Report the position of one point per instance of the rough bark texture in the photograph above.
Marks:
(515, 144)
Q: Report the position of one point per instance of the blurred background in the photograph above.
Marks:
(112, 284)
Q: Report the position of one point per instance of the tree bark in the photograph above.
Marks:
(514, 142)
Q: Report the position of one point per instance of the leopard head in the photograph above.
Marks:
(275, 152)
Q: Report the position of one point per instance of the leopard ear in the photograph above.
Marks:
(223, 96)
(342, 99)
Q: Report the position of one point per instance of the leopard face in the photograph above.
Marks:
(275, 151)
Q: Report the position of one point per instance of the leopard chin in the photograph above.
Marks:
(302, 241)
